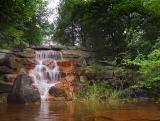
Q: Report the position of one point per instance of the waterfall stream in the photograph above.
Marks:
(46, 72)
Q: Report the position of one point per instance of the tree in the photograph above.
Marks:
(21, 22)
(109, 26)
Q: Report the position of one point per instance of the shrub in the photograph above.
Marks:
(150, 67)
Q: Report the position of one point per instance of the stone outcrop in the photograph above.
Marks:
(23, 91)
(81, 56)
(12, 62)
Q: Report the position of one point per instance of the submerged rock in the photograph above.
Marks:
(23, 91)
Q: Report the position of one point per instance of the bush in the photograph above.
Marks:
(150, 67)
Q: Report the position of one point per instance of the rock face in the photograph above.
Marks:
(23, 91)
(81, 56)
(12, 62)
(67, 85)
(5, 88)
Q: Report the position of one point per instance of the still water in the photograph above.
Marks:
(81, 111)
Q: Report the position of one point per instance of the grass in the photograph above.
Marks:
(98, 91)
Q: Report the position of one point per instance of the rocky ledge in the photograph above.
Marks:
(13, 61)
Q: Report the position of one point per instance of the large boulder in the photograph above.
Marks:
(23, 91)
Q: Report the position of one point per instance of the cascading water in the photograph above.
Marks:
(46, 72)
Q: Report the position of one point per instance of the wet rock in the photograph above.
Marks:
(137, 93)
(49, 63)
(56, 92)
(23, 91)
(65, 88)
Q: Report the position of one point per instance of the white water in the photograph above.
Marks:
(46, 72)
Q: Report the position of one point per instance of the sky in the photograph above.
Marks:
(52, 4)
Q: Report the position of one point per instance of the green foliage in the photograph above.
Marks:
(109, 27)
(150, 67)
(98, 91)
(22, 22)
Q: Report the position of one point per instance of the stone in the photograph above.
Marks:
(137, 93)
(49, 63)
(10, 77)
(2, 55)
(23, 91)
(6, 51)
(5, 70)
(66, 66)
(5, 61)
(27, 53)
(65, 88)
(5, 88)
(56, 92)
(75, 53)
(83, 79)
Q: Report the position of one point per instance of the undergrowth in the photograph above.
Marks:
(98, 91)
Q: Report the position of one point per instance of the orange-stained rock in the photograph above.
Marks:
(65, 87)
(66, 63)
(49, 63)
(67, 67)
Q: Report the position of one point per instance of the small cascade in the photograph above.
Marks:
(46, 72)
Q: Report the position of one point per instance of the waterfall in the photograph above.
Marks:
(46, 72)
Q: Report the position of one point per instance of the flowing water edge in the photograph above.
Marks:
(81, 111)
(46, 72)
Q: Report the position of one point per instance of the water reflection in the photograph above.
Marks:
(44, 113)
(81, 111)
